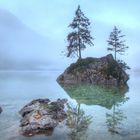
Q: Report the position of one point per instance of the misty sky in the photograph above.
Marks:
(50, 18)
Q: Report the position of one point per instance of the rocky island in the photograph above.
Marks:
(101, 71)
(42, 116)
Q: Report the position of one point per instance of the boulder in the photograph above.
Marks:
(101, 71)
(42, 116)
(0, 110)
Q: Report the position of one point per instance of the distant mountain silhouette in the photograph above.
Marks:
(20, 47)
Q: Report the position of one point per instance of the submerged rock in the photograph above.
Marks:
(42, 116)
(0, 110)
(102, 71)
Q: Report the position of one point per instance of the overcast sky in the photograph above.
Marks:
(50, 18)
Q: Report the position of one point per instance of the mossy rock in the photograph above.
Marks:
(101, 71)
(81, 65)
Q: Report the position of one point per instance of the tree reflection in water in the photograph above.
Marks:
(115, 119)
(78, 123)
(108, 97)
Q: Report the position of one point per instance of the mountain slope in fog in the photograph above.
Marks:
(20, 47)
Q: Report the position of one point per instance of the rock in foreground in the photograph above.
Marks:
(42, 116)
(0, 110)
(102, 71)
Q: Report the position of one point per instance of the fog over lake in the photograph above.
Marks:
(33, 33)
(32, 47)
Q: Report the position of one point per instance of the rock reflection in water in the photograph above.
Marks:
(109, 97)
(96, 95)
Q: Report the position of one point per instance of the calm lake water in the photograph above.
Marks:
(105, 113)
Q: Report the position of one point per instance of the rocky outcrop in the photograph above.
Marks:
(102, 71)
(42, 116)
(0, 110)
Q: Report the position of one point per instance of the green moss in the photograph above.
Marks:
(44, 106)
(81, 65)
(113, 69)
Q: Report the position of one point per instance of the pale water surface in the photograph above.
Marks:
(114, 113)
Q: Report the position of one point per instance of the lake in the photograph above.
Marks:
(104, 113)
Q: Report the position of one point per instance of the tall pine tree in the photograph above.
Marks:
(116, 43)
(80, 36)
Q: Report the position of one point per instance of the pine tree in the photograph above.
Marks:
(116, 42)
(80, 36)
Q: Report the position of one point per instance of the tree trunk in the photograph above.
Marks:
(80, 49)
(115, 53)
(115, 49)
(79, 43)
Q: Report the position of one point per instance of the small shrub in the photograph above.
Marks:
(81, 64)
(113, 70)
